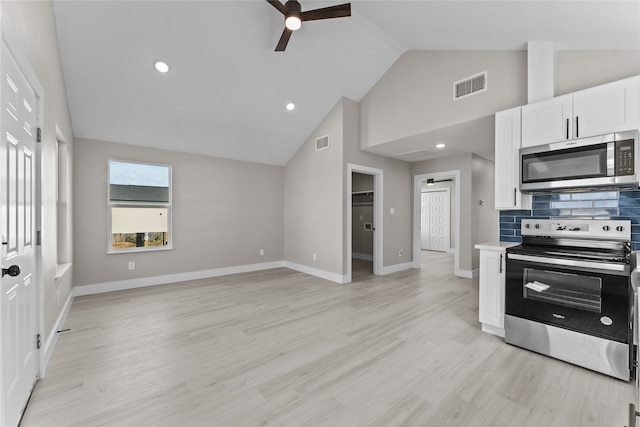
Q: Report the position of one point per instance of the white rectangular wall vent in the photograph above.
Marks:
(322, 142)
(470, 86)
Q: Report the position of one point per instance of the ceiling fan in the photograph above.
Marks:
(293, 17)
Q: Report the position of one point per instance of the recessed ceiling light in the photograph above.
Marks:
(441, 145)
(162, 67)
(291, 106)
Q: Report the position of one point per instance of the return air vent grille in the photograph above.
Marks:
(470, 86)
(322, 143)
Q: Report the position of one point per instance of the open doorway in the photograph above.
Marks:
(363, 221)
(362, 214)
(436, 219)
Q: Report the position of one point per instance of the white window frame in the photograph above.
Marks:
(111, 205)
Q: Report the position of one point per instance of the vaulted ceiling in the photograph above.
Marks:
(226, 90)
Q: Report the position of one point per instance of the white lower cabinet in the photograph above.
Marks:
(491, 286)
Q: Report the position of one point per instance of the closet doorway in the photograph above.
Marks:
(363, 221)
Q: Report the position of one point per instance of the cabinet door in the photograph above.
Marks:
(612, 107)
(491, 283)
(507, 162)
(547, 121)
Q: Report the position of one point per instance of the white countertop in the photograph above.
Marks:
(496, 246)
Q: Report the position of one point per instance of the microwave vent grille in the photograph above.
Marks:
(470, 86)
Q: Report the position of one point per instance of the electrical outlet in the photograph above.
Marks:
(400, 252)
(261, 252)
(392, 211)
(132, 265)
(314, 257)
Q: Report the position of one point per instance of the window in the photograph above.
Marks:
(139, 207)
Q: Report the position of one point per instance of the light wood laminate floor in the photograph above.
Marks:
(284, 348)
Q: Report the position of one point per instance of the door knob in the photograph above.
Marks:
(12, 271)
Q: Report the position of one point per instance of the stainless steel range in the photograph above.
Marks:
(568, 293)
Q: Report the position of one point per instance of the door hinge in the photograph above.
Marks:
(38, 342)
(39, 135)
(38, 238)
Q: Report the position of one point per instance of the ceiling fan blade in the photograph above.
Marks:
(339, 11)
(279, 6)
(284, 39)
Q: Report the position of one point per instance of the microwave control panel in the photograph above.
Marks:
(624, 157)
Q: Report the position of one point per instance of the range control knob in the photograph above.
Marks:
(619, 228)
(606, 227)
(537, 226)
(527, 226)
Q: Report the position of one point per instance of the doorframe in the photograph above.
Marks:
(11, 40)
(417, 191)
(377, 216)
(437, 190)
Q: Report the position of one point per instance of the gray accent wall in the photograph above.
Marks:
(314, 199)
(39, 43)
(224, 212)
(316, 192)
(416, 94)
(397, 190)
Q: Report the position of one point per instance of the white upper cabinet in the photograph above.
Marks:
(608, 108)
(547, 121)
(507, 158)
(612, 107)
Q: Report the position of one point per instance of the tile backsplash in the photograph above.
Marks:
(624, 204)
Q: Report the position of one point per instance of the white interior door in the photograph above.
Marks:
(439, 221)
(434, 222)
(18, 305)
(424, 222)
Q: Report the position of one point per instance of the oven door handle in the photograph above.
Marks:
(570, 262)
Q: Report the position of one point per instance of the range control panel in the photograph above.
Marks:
(591, 228)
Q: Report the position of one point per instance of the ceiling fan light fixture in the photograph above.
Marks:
(290, 106)
(430, 181)
(293, 22)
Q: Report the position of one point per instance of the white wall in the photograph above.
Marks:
(397, 191)
(485, 219)
(313, 199)
(224, 212)
(577, 70)
(416, 94)
(33, 24)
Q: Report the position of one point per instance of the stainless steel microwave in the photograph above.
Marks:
(609, 161)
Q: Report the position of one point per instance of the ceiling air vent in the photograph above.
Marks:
(470, 86)
(322, 143)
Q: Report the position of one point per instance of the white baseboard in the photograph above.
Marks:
(142, 282)
(467, 274)
(395, 268)
(494, 330)
(364, 257)
(334, 277)
(52, 339)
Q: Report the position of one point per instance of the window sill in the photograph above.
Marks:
(140, 250)
(61, 270)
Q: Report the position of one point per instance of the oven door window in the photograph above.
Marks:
(565, 289)
(582, 162)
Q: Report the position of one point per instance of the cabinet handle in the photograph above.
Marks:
(577, 128)
(567, 128)
(515, 190)
(500, 264)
